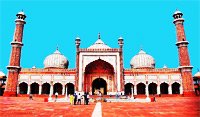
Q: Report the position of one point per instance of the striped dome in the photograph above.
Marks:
(56, 60)
(142, 60)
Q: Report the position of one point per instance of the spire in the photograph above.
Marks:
(141, 47)
(57, 47)
(99, 36)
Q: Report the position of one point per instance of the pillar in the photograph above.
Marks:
(18, 91)
(51, 90)
(63, 89)
(135, 89)
(132, 91)
(29, 89)
(147, 90)
(170, 89)
(40, 89)
(158, 89)
(66, 91)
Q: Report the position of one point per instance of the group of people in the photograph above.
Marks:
(76, 99)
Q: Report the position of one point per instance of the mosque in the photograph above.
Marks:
(99, 68)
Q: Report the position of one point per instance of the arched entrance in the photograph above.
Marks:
(99, 84)
(46, 88)
(23, 88)
(97, 71)
(141, 88)
(70, 88)
(34, 88)
(164, 88)
(175, 88)
(57, 87)
(152, 88)
(128, 88)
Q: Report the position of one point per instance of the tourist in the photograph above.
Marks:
(71, 99)
(87, 98)
(56, 94)
(75, 98)
(117, 95)
(79, 99)
(30, 97)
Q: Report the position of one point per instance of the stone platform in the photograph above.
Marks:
(164, 106)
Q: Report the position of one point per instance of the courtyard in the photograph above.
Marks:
(164, 106)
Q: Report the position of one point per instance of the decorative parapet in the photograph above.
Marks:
(99, 50)
(149, 71)
(47, 71)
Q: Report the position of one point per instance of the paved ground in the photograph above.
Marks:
(165, 106)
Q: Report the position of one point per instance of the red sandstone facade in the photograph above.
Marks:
(106, 64)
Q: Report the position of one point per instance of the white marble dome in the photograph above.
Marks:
(177, 12)
(99, 44)
(142, 60)
(56, 60)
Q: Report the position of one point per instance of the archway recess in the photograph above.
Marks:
(152, 88)
(34, 88)
(141, 88)
(101, 70)
(99, 85)
(175, 88)
(128, 88)
(23, 88)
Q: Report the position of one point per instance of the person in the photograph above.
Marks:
(116, 95)
(56, 94)
(71, 99)
(87, 98)
(79, 99)
(75, 98)
(30, 97)
(154, 98)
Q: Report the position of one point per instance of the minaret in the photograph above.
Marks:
(121, 43)
(184, 59)
(14, 65)
(77, 42)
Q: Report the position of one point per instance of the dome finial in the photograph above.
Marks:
(141, 47)
(99, 35)
(57, 47)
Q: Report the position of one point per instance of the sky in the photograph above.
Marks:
(146, 24)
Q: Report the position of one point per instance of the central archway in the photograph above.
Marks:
(99, 71)
(99, 84)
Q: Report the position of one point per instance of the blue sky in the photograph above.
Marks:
(142, 23)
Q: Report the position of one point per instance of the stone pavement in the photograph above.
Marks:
(165, 106)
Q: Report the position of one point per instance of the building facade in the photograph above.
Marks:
(99, 68)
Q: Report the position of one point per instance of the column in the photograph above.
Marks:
(135, 89)
(66, 92)
(51, 89)
(29, 87)
(63, 90)
(40, 89)
(131, 91)
(147, 90)
(181, 89)
(170, 89)
(158, 89)
(17, 89)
